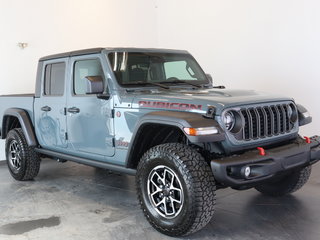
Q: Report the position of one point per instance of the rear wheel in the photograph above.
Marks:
(176, 189)
(23, 162)
(286, 185)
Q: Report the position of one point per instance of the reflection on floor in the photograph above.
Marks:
(71, 201)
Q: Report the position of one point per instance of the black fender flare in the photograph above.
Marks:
(25, 122)
(302, 119)
(179, 120)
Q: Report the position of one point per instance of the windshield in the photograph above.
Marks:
(136, 68)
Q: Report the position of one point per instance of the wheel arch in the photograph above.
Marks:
(160, 127)
(17, 117)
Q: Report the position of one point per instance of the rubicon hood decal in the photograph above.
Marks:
(169, 105)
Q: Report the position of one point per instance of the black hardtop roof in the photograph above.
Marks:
(73, 53)
(99, 50)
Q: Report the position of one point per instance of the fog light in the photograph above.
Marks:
(247, 171)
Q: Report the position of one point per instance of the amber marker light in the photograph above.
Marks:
(306, 114)
(200, 131)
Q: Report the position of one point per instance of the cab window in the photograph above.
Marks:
(82, 70)
(54, 79)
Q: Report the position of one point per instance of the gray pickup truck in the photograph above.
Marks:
(155, 114)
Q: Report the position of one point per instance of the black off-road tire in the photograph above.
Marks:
(29, 159)
(197, 183)
(286, 185)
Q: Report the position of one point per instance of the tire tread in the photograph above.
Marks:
(289, 184)
(198, 178)
(30, 156)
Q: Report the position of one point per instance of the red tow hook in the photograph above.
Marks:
(262, 152)
(307, 139)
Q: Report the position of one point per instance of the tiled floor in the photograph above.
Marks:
(70, 201)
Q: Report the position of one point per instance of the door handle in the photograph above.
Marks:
(46, 109)
(73, 110)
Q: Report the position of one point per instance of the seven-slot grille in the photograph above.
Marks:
(266, 121)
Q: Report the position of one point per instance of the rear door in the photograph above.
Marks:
(89, 119)
(49, 109)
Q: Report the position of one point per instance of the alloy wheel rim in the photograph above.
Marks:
(165, 191)
(15, 155)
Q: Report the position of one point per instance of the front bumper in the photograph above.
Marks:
(230, 171)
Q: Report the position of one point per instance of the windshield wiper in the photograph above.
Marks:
(220, 87)
(150, 83)
(182, 81)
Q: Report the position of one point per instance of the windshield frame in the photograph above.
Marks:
(188, 83)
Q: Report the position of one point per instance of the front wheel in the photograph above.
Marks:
(287, 184)
(176, 189)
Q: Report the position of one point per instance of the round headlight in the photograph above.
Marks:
(229, 120)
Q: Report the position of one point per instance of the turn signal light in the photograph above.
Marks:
(200, 131)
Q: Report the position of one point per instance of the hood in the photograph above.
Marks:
(199, 100)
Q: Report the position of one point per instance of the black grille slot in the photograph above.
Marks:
(262, 122)
(246, 134)
(287, 123)
(270, 125)
(276, 120)
(266, 121)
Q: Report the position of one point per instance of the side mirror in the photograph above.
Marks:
(209, 77)
(94, 85)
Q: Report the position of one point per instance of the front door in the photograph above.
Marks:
(89, 119)
(49, 108)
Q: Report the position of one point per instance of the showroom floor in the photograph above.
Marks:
(71, 201)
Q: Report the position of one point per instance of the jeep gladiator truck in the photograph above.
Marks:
(155, 114)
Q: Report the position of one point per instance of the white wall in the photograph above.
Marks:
(269, 45)
(265, 45)
(63, 25)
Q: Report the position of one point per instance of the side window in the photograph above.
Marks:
(180, 70)
(82, 70)
(54, 79)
